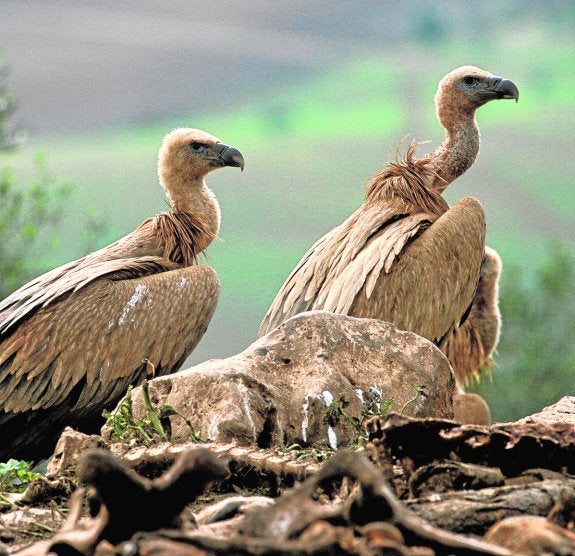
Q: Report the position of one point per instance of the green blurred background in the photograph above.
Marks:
(316, 96)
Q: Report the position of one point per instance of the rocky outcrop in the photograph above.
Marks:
(561, 412)
(314, 378)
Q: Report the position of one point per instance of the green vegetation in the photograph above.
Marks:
(154, 427)
(535, 365)
(373, 405)
(29, 217)
(15, 476)
(31, 211)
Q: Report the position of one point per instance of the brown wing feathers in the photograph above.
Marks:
(341, 271)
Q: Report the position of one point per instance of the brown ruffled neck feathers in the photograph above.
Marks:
(410, 180)
(183, 236)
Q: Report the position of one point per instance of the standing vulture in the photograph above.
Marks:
(470, 346)
(74, 339)
(405, 256)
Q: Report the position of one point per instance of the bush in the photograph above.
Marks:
(535, 364)
(29, 216)
(30, 212)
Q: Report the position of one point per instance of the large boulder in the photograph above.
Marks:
(306, 381)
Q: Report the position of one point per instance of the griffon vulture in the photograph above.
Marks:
(470, 346)
(74, 339)
(405, 256)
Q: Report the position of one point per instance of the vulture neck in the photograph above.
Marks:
(197, 199)
(459, 149)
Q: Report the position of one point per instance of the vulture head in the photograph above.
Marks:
(187, 155)
(467, 88)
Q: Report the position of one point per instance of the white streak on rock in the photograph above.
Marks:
(376, 395)
(332, 438)
(305, 420)
(326, 396)
(244, 392)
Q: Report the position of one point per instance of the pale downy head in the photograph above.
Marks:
(465, 89)
(187, 155)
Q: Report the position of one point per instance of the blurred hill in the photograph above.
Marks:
(315, 95)
(80, 65)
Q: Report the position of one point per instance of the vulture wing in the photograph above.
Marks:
(131, 256)
(70, 278)
(97, 338)
(418, 271)
(431, 286)
(336, 267)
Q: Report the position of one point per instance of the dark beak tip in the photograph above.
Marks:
(230, 156)
(509, 89)
(239, 161)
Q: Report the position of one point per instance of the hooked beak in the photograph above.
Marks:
(228, 156)
(504, 88)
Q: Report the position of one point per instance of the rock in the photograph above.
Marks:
(471, 409)
(305, 381)
(531, 536)
(445, 476)
(561, 412)
(68, 449)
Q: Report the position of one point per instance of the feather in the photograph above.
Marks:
(179, 233)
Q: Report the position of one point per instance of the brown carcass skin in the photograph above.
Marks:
(405, 256)
(74, 339)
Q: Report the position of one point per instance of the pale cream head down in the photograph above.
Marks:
(465, 89)
(177, 157)
(186, 156)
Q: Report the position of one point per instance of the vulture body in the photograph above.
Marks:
(405, 256)
(74, 339)
(470, 347)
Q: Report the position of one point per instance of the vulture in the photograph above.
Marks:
(405, 256)
(74, 339)
(470, 346)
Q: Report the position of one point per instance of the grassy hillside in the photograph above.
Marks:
(311, 146)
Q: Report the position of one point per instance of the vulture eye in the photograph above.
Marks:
(469, 80)
(196, 146)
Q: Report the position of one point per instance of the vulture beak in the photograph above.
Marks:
(228, 156)
(503, 88)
